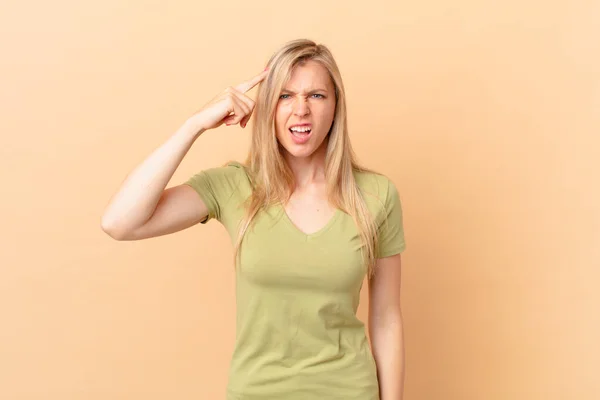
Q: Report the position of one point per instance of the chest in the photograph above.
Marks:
(276, 253)
(309, 214)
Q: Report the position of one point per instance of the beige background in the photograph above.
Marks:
(485, 114)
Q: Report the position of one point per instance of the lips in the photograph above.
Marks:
(301, 126)
(306, 130)
(300, 137)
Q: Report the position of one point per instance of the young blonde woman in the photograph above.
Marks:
(307, 224)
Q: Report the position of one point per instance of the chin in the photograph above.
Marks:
(303, 149)
(298, 151)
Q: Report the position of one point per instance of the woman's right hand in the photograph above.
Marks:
(230, 107)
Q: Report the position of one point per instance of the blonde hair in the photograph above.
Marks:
(271, 178)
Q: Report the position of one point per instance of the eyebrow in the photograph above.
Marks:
(312, 91)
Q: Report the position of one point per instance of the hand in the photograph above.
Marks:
(230, 106)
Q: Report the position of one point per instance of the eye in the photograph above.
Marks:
(314, 94)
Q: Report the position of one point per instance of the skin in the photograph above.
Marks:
(386, 328)
(308, 97)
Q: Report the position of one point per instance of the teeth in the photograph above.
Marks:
(296, 129)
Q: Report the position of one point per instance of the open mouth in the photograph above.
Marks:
(300, 135)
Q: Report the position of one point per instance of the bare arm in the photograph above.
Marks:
(385, 327)
(142, 207)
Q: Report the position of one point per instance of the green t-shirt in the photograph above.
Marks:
(297, 333)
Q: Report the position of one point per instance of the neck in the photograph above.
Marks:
(309, 170)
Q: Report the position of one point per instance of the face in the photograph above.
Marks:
(307, 102)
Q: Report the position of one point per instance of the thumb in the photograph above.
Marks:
(245, 120)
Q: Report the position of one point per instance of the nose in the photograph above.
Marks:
(301, 107)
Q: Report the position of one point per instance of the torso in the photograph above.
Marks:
(298, 286)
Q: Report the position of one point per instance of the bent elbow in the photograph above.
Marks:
(112, 230)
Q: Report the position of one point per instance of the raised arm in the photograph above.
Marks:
(143, 207)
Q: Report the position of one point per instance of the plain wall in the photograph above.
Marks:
(485, 115)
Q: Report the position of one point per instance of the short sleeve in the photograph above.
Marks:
(391, 228)
(215, 186)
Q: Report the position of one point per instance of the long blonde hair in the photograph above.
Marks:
(271, 178)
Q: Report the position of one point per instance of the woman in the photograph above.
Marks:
(307, 223)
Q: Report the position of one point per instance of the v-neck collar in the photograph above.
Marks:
(292, 226)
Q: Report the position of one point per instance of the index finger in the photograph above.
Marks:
(245, 86)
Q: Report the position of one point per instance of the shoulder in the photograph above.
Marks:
(379, 192)
(230, 173)
(223, 181)
(231, 169)
(375, 184)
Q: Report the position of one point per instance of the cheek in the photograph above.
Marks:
(280, 115)
(326, 115)
(331, 110)
(283, 109)
(280, 122)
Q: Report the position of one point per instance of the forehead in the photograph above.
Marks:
(307, 76)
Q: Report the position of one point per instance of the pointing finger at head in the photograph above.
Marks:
(245, 86)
